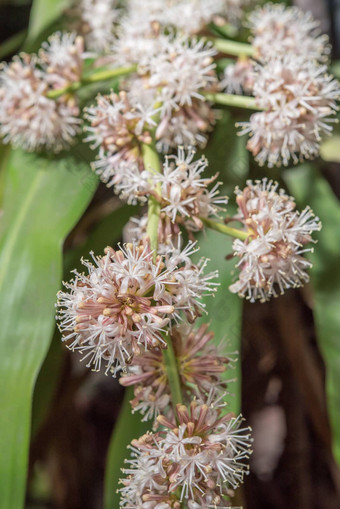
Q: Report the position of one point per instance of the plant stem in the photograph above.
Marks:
(152, 163)
(92, 78)
(239, 101)
(171, 367)
(238, 49)
(223, 228)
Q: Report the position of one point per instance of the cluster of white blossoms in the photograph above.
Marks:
(200, 366)
(29, 118)
(272, 258)
(180, 188)
(166, 94)
(279, 30)
(299, 100)
(186, 16)
(127, 300)
(96, 21)
(297, 95)
(118, 124)
(195, 460)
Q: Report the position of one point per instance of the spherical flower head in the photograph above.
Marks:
(184, 192)
(118, 124)
(195, 460)
(278, 29)
(126, 301)
(200, 367)
(95, 21)
(181, 70)
(186, 126)
(28, 118)
(186, 16)
(299, 101)
(62, 57)
(272, 258)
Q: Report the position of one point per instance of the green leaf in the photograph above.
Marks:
(128, 427)
(42, 201)
(224, 309)
(312, 189)
(43, 13)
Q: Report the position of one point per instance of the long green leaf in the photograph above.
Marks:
(43, 13)
(128, 427)
(312, 189)
(42, 202)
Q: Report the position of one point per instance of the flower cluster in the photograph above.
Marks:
(239, 77)
(118, 124)
(181, 188)
(272, 257)
(197, 460)
(299, 102)
(280, 30)
(187, 16)
(95, 20)
(200, 368)
(28, 117)
(122, 306)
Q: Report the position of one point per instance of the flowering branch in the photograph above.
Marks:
(92, 78)
(239, 101)
(235, 48)
(152, 163)
(223, 228)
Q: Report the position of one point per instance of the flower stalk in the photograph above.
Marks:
(92, 78)
(237, 49)
(152, 163)
(223, 228)
(238, 101)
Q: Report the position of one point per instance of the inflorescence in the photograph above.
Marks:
(136, 304)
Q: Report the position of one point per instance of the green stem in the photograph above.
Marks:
(239, 101)
(152, 163)
(92, 78)
(171, 367)
(223, 228)
(238, 49)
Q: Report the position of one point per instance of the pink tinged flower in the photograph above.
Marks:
(272, 258)
(62, 58)
(118, 124)
(28, 118)
(200, 366)
(279, 30)
(299, 101)
(124, 305)
(239, 77)
(95, 20)
(198, 459)
(184, 193)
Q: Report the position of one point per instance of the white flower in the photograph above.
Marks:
(181, 69)
(28, 118)
(272, 258)
(299, 100)
(281, 30)
(238, 78)
(193, 462)
(62, 57)
(118, 124)
(95, 21)
(125, 303)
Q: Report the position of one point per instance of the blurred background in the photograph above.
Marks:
(283, 372)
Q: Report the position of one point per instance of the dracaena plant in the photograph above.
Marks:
(132, 311)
